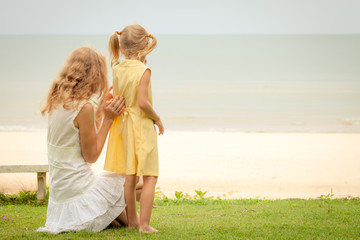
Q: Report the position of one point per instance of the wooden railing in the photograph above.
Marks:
(41, 171)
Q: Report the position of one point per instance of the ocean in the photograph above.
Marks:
(240, 83)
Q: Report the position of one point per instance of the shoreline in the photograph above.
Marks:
(226, 164)
(213, 130)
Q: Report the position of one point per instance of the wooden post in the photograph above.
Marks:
(41, 180)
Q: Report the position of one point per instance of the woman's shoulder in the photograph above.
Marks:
(81, 107)
(86, 109)
(85, 113)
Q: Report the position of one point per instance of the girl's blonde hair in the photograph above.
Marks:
(134, 41)
(83, 75)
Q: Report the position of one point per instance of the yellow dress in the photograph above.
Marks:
(132, 144)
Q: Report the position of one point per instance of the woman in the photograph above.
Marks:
(79, 199)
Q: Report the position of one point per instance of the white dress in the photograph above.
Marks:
(79, 199)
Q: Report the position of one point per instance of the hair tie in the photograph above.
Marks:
(118, 33)
(150, 36)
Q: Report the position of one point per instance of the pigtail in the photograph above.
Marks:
(114, 47)
(151, 46)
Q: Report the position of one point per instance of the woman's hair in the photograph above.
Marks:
(134, 41)
(83, 75)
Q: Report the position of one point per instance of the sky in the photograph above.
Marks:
(33, 17)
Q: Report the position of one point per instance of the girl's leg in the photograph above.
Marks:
(146, 204)
(139, 187)
(130, 200)
(122, 218)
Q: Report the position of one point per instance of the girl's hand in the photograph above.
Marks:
(114, 107)
(160, 126)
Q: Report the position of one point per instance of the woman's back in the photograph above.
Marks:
(64, 156)
(61, 130)
(79, 199)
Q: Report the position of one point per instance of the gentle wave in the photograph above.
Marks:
(233, 125)
(21, 129)
(350, 121)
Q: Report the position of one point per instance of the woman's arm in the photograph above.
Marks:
(100, 108)
(144, 103)
(91, 142)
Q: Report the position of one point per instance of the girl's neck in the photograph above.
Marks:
(133, 57)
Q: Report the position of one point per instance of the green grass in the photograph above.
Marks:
(205, 218)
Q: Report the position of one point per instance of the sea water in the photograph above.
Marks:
(248, 83)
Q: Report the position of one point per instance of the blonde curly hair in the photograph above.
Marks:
(83, 75)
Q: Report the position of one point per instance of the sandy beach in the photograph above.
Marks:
(231, 165)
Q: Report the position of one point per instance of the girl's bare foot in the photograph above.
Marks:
(132, 226)
(135, 224)
(147, 229)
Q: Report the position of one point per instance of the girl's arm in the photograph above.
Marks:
(91, 142)
(144, 103)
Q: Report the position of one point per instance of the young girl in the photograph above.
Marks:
(79, 199)
(132, 145)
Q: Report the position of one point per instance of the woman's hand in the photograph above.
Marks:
(160, 126)
(102, 104)
(114, 107)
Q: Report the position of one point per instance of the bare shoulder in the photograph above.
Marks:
(147, 72)
(145, 77)
(86, 113)
(87, 109)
